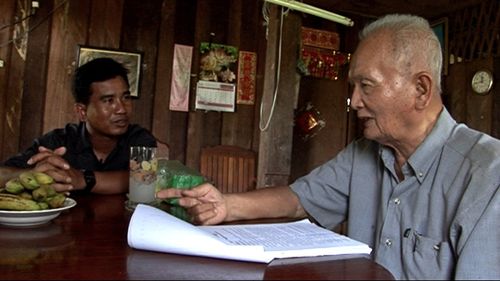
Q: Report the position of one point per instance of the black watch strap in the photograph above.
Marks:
(89, 177)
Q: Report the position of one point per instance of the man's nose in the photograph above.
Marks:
(356, 102)
(121, 106)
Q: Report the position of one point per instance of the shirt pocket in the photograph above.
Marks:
(426, 258)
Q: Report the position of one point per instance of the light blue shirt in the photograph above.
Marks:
(441, 222)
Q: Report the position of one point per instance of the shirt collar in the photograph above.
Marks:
(84, 141)
(423, 158)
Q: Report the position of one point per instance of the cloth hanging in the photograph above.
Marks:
(181, 78)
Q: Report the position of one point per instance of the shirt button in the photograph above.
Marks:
(397, 201)
(420, 174)
(388, 242)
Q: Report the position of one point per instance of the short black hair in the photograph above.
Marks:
(96, 70)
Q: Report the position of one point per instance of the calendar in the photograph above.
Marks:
(215, 96)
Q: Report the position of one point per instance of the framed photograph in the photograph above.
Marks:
(130, 60)
(440, 27)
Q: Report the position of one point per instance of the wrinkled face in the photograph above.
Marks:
(109, 108)
(382, 94)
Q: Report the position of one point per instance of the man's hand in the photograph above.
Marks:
(205, 204)
(53, 164)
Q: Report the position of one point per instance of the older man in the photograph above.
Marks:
(420, 189)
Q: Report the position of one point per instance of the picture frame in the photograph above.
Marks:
(130, 60)
(440, 28)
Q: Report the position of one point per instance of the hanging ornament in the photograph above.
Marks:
(308, 121)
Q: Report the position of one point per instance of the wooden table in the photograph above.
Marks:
(89, 242)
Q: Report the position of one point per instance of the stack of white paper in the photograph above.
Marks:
(156, 230)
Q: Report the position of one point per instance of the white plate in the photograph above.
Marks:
(33, 218)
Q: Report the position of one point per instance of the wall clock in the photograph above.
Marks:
(482, 81)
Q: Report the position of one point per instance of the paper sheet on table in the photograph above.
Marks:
(156, 230)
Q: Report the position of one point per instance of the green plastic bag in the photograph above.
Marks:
(173, 174)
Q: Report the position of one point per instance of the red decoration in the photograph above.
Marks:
(247, 68)
(323, 63)
(320, 54)
(320, 38)
(308, 122)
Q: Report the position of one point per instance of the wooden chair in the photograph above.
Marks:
(162, 149)
(229, 168)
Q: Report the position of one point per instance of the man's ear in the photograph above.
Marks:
(424, 85)
(81, 112)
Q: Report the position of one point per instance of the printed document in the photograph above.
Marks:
(153, 229)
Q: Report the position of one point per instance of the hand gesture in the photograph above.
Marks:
(205, 204)
(53, 164)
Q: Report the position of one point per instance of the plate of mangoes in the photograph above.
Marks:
(30, 200)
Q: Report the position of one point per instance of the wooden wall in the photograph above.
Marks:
(474, 44)
(35, 80)
(35, 87)
(473, 38)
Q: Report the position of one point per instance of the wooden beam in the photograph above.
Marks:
(275, 147)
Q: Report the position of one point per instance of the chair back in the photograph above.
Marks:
(229, 168)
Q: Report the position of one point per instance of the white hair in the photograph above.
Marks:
(411, 36)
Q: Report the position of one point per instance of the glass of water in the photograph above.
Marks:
(143, 165)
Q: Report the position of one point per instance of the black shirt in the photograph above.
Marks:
(79, 152)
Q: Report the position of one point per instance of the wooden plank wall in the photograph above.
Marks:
(474, 45)
(329, 97)
(9, 128)
(276, 136)
(474, 31)
(474, 37)
(477, 111)
(35, 90)
(234, 24)
(35, 81)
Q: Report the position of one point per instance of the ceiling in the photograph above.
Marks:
(430, 9)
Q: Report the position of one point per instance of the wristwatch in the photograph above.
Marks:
(89, 177)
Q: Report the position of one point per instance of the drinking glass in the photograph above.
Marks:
(143, 166)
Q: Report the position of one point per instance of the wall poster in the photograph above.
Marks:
(216, 87)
